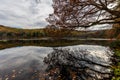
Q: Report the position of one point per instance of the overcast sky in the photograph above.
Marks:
(25, 13)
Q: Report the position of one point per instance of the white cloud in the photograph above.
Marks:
(25, 13)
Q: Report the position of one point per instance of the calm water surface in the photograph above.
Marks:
(27, 62)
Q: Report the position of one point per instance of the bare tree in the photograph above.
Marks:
(84, 13)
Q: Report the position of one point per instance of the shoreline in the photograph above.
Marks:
(49, 38)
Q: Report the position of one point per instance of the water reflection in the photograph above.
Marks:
(46, 63)
(23, 63)
(49, 43)
(82, 62)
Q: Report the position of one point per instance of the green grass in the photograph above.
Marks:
(115, 45)
(116, 68)
(117, 71)
(117, 53)
(118, 78)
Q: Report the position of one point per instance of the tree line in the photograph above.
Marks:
(20, 35)
(58, 33)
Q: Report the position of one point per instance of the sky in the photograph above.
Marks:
(25, 13)
(28, 14)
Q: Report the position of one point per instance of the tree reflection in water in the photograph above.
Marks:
(77, 65)
(80, 62)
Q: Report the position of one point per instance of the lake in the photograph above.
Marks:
(31, 61)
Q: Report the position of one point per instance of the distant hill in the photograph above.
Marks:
(9, 29)
(15, 33)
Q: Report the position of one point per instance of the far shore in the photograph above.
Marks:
(49, 38)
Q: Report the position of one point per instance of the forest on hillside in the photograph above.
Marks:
(14, 33)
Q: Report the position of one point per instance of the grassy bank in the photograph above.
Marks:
(116, 66)
(116, 60)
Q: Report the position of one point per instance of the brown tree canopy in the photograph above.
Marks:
(84, 13)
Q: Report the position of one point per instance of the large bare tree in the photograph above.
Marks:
(84, 13)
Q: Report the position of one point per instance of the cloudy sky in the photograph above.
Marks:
(25, 13)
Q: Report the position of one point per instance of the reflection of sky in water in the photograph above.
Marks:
(97, 54)
(95, 50)
(31, 57)
(17, 56)
(14, 57)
